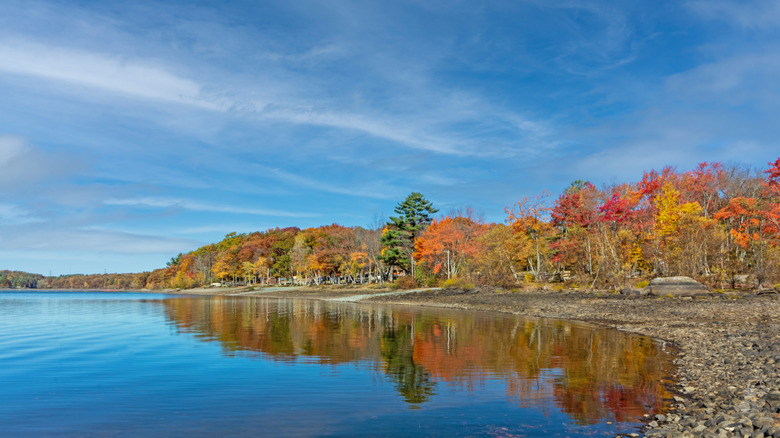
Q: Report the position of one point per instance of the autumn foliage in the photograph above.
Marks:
(715, 224)
(718, 224)
(451, 245)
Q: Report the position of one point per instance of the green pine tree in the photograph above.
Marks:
(414, 215)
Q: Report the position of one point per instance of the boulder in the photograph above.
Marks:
(677, 286)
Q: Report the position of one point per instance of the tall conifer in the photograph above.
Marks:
(414, 215)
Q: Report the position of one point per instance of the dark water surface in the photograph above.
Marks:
(128, 364)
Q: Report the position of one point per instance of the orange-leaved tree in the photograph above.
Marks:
(772, 203)
(742, 218)
(450, 245)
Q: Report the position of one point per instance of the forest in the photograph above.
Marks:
(717, 224)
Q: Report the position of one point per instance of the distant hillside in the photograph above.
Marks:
(19, 279)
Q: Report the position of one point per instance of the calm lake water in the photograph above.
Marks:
(128, 364)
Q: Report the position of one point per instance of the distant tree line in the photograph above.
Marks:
(18, 279)
(715, 223)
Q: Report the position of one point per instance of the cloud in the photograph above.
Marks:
(313, 56)
(36, 238)
(166, 203)
(22, 165)
(11, 214)
(592, 38)
(383, 191)
(218, 229)
(731, 79)
(101, 71)
(398, 132)
(421, 122)
(10, 149)
(745, 14)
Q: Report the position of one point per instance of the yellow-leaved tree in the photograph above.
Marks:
(684, 234)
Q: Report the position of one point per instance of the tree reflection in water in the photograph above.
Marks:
(412, 380)
(591, 373)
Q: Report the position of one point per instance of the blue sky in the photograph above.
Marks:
(132, 131)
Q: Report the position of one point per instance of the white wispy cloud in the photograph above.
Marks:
(746, 14)
(381, 191)
(419, 127)
(55, 238)
(22, 164)
(11, 147)
(731, 78)
(217, 229)
(312, 56)
(399, 131)
(110, 72)
(11, 214)
(165, 203)
(598, 37)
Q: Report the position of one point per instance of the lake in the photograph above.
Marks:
(137, 364)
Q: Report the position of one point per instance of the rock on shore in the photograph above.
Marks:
(676, 286)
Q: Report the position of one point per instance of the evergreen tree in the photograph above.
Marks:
(414, 214)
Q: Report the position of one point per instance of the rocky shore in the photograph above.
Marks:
(728, 369)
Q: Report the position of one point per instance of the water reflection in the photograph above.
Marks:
(592, 374)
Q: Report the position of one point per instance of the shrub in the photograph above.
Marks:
(529, 277)
(643, 283)
(406, 282)
(425, 279)
(457, 283)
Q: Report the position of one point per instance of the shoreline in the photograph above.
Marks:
(727, 380)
